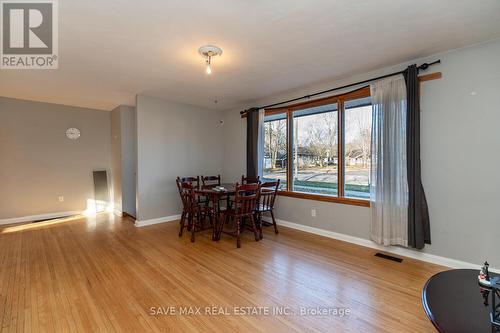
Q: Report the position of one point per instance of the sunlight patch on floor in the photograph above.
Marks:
(36, 225)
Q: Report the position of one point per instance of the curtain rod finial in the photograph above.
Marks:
(426, 65)
(250, 110)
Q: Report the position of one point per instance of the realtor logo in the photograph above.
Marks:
(29, 34)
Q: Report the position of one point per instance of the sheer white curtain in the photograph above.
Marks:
(389, 183)
(260, 143)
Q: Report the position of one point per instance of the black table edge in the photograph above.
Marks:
(425, 305)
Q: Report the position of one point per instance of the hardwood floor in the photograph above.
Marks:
(104, 274)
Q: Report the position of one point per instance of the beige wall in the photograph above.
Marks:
(38, 163)
(173, 140)
(460, 139)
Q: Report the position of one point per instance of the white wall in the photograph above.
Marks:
(173, 139)
(460, 141)
(123, 158)
(38, 163)
(234, 146)
(116, 158)
(128, 159)
(460, 154)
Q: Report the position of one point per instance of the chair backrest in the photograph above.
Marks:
(186, 191)
(268, 193)
(210, 181)
(178, 182)
(249, 180)
(192, 179)
(246, 198)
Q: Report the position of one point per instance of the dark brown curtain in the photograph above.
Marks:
(252, 142)
(419, 232)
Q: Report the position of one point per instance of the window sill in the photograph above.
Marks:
(326, 198)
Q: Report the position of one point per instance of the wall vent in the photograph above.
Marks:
(388, 257)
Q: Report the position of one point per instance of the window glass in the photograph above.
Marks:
(323, 151)
(275, 153)
(315, 150)
(358, 123)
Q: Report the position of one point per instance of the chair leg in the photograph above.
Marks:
(260, 225)
(201, 217)
(188, 217)
(192, 222)
(211, 219)
(254, 228)
(238, 227)
(220, 227)
(256, 218)
(183, 221)
(274, 222)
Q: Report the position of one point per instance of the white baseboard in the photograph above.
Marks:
(118, 212)
(415, 254)
(144, 223)
(31, 218)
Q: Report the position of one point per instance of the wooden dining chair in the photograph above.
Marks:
(194, 211)
(185, 204)
(268, 193)
(249, 180)
(192, 179)
(245, 199)
(210, 181)
(195, 181)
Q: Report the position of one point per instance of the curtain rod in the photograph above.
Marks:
(424, 66)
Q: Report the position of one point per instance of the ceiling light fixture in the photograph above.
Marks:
(209, 51)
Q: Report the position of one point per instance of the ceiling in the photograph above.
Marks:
(111, 50)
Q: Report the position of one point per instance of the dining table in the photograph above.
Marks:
(216, 194)
(455, 302)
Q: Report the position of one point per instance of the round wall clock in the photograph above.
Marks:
(72, 133)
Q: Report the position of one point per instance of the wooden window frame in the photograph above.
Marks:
(359, 93)
(288, 110)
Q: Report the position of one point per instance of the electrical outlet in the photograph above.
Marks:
(61, 198)
(313, 212)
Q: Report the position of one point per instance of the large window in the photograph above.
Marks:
(315, 150)
(358, 131)
(275, 149)
(321, 149)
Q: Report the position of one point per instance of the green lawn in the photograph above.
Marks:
(332, 186)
